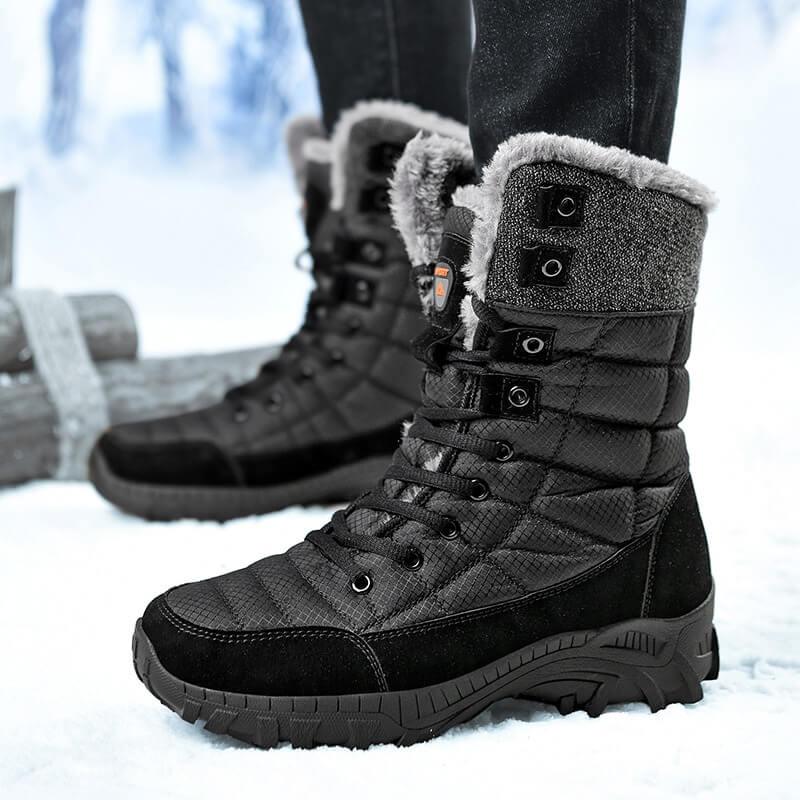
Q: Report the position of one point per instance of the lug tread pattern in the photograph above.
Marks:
(581, 671)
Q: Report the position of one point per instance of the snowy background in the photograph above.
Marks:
(166, 182)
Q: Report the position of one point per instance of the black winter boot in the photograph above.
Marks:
(537, 534)
(319, 424)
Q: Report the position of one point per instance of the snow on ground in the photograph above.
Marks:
(203, 250)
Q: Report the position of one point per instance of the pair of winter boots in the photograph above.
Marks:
(535, 534)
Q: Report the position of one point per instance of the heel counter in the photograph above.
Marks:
(679, 575)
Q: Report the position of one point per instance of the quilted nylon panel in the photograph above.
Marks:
(592, 471)
(375, 384)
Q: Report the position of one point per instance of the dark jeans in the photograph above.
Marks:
(605, 70)
(417, 51)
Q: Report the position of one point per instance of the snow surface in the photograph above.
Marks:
(203, 248)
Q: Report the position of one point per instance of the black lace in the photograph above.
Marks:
(336, 538)
(306, 348)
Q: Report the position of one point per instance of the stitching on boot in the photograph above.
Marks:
(510, 605)
(652, 562)
(233, 637)
(598, 339)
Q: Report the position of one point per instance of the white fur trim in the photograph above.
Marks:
(318, 150)
(418, 206)
(486, 200)
(468, 196)
(380, 109)
(469, 319)
(638, 171)
(299, 130)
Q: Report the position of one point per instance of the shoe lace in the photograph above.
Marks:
(336, 539)
(309, 346)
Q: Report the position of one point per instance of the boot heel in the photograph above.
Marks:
(655, 661)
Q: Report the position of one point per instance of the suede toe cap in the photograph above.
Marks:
(177, 463)
(296, 661)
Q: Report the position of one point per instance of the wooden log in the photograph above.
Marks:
(7, 205)
(106, 321)
(135, 390)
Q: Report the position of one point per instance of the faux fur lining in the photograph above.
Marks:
(486, 200)
(417, 190)
(300, 131)
(318, 150)
(380, 109)
(638, 171)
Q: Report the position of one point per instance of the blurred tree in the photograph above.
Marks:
(768, 14)
(261, 74)
(65, 34)
(168, 16)
(774, 12)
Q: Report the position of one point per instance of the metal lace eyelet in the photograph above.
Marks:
(361, 584)
(412, 560)
(362, 291)
(533, 345)
(518, 397)
(274, 402)
(371, 252)
(567, 206)
(337, 356)
(306, 371)
(241, 415)
(449, 528)
(552, 268)
(505, 452)
(478, 490)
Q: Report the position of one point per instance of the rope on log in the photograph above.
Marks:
(63, 363)
(106, 322)
(135, 390)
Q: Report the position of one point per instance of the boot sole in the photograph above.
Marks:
(166, 503)
(655, 661)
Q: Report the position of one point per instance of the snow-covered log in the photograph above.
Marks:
(134, 390)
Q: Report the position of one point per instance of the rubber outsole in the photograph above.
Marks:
(167, 503)
(655, 661)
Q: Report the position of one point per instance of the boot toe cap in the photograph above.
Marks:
(132, 456)
(291, 661)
